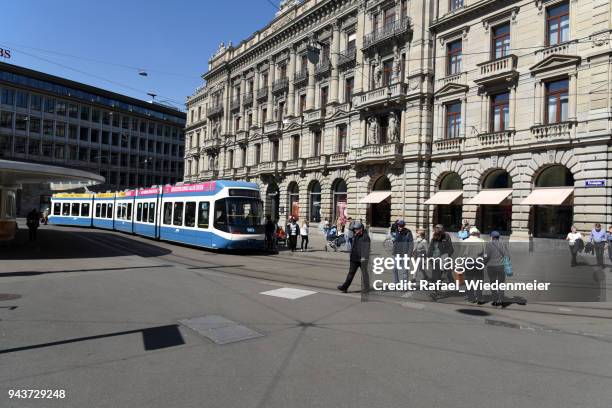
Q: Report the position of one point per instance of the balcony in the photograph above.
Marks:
(565, 48)
(268, 167)
(262, 93)
(215, 110)
(280, 85)
(241, 136)
(235, 104)
(314, 116)
(451, 145)
(337, 159)
(497, 69)
(388, 32)
(554, 131)
(247, 100)
(301, 77)
(323, 67)
(294, 165)
(395, 93)
(347, 57)
(383, 153)
(496, 139)
(209, 174)
(211, 144)
(315, 162)
(240, 173)
(272, 127)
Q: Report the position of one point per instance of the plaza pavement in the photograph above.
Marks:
(99, 315)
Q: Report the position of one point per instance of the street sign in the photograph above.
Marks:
(595, 183)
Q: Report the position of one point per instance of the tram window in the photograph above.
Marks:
(167, 213)
(118, 215)
(145, 212)
(129, 211)
(76, 209)
(190, 214)
(85, 210)
(152, 213)
(139, 212)
(109, 214)
(103, 215)
(203, 213)
(178, 214)
(57, 208)
(66, 209)
(220, 215)
(98, 210)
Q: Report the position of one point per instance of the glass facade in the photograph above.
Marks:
(87, 130)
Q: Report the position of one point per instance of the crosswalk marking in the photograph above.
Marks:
(289, 293)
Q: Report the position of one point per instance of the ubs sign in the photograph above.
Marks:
(4, 53)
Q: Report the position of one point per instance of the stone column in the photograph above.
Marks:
(335, 50)
(362, 68)
(310, 88)
(243, 91)
(226, 109)
(573, 95)
(463, 129)
(483, 112)
(512, 107)
(539, 97)
(290, 75)
(271, 76)
(256, 85)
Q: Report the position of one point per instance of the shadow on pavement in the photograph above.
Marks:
(153, 338)
(85, 243)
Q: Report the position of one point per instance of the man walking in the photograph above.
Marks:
(598, 239)
(270, 229)
(360, 254)
(293, 230)
(33, 221)
(402, 245)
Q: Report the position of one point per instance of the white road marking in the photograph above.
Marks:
(565, 309)
(289, 293)
(413, 305)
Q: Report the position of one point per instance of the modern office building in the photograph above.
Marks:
(51, 120)
(497, 113)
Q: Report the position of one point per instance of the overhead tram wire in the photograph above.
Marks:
(96, 76)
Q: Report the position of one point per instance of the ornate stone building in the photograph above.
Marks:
(431, 111)
(522, 115)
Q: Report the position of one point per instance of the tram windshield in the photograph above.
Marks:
(239, 215)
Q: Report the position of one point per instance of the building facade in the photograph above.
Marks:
(47, 119)
(496, 113)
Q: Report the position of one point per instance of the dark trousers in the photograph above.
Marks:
(304, 243)
(365, 278)
(32, 234)
(497, 274)
(270, 241)
(293, 242)
(436, 274)
(473, 275)
(574, 252)
(599, 252)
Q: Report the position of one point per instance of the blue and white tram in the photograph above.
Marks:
(214, 214)
(71, 209)
(145, 213)
(104, 216)
(124, 203)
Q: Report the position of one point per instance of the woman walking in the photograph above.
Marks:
(420, 251)
(576, 243)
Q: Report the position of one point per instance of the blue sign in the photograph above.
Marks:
(595, 183)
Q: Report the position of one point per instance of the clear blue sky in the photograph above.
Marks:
(171, 39)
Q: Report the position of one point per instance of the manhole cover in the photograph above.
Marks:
(9, 296)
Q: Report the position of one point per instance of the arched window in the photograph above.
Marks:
(293, 194)
(450, 215)
(380, 214)
(315, 202)
(555, 176)
(339, 201)
(497, 179)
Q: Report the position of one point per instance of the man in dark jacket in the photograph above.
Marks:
(293, 231)
(402, 245)
(360, 254)
(440, 246)
(33, 222)
(269, 230)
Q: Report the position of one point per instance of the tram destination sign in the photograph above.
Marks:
(595, 183)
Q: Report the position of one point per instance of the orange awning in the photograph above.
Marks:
(548, 196)
(444, 197)
(491, 196)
